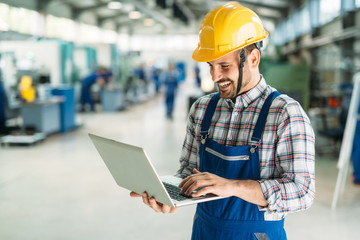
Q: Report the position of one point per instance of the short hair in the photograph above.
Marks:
(248, 49)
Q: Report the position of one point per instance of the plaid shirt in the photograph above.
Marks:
(286, 150)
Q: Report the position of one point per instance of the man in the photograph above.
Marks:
(101, 76)
(2, 109)
(170, 80)
(247, 143)
(356, 154)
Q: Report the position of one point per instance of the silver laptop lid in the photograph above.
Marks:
(131, 168)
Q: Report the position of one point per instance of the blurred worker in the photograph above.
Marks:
(181, 67)
(140, 72)
(2, 109)
(101, 77)
(170, 81)
(197, 75)
(141, 76)
(155, 74)
(246, 143)
(106, 74)
(356, 153)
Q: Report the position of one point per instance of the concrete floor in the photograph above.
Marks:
(60, 188)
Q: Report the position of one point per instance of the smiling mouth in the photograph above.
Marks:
(224, 84)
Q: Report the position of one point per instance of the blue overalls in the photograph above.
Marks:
(171, 83)
(86, 97)
(356, 153)
(2, 108)
(233, 218)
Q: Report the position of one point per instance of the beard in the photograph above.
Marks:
(227, 88)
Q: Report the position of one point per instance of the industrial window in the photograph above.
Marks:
(19, 20)
(348, 5)
(314, 13)
(62, 28)
(290, 28)
(329, 11)
(296, 23)
(278, 35)
(304, 20)
(4, 19)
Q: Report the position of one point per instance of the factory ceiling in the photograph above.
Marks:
(165, 16)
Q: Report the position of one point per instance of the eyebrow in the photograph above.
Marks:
(220, 63)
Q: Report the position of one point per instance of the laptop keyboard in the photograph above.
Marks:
(174, 192)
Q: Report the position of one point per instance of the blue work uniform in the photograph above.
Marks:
(2, 107)
(356, 153)
(156, 78)
(233, 218)
(197, 76)
(140, 73)
(171, 84)
(86, 91)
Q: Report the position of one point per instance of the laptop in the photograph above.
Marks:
(132, 169)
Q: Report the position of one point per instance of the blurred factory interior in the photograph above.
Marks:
(71, 67)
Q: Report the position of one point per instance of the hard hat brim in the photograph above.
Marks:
(207, 55)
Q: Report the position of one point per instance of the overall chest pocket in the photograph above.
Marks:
(227, 166)
(243, 157)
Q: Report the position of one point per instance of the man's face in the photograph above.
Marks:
(225, 73)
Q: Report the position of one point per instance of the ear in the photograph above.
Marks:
(254, 58)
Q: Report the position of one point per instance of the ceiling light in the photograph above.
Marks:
(127, 7)
(134, 15)
(148, 22)
(114, 5)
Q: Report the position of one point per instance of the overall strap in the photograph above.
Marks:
(260, 124)
(209, 112)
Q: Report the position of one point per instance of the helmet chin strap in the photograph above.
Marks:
(242, 60)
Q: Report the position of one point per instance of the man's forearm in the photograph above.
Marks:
(250, 191)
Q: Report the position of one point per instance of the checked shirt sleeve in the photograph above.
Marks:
(189, 154)
(292, 186)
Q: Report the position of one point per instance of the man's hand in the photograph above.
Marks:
(151, 202)
(209, 183)
(248, 190)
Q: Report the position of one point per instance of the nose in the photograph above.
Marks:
(216, 74)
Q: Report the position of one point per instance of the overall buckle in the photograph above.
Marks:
(203, 136)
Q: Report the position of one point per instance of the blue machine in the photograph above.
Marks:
(67, 107)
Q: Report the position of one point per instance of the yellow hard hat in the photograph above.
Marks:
(225, 29)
